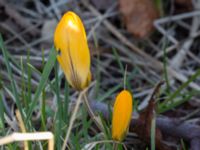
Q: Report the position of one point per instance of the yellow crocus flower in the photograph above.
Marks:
(122, 113)
(74, 57)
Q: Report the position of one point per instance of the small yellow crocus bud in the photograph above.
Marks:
(122, 113)
(74, 57)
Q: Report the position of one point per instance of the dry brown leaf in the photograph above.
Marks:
(139, 16)
(145, 119)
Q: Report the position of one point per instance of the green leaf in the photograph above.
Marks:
(164, 106)
(44, 78)
(10, 76)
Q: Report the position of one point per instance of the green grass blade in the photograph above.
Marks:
(121, 67)
(179, 90)
(110, 91)
(59, 118)
(29, 72)
(186, 97)
(47, 69)
(23, 86)
(10, 76)
(2, 114)
(183, 145)
(43, 107)
(66, 103)
(165, 69)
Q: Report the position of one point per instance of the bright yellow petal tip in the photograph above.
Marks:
(122, 113)
(74, 56)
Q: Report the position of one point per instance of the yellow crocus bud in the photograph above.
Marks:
(122, 113)
(74, 57)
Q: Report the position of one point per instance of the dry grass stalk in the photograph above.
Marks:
(22, 127)
(29, 137)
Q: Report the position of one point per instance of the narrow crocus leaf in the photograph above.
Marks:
(74, 56)
(122, 113)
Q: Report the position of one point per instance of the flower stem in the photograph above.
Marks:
(90, 112)
(72, 119)
(115, 147)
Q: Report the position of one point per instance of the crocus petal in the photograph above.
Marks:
(74, 58)
(122, 112)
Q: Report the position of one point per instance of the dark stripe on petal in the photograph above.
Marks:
(74, 75)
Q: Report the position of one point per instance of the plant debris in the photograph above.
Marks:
(139, 16)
